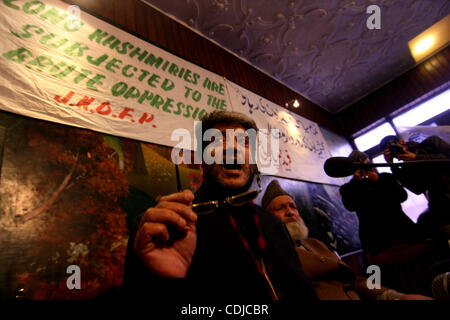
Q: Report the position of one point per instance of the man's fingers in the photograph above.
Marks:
(180, 208)
(387, 155)
(149, 232)
(164, 216)
(186, 197)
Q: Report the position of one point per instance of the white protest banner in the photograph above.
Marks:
(60, 64)
(420, 133)
(63, 65)
(302, 148)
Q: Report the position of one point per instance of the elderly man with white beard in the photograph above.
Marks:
(331, 278)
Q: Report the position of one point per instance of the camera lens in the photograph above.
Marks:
(395, 150)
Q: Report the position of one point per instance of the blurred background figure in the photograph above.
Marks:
(376, 199)
(432, 179)
(439, 277)
(331, 278)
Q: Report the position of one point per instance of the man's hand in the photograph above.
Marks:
(414, 297)
(357, 175)
(388, 155)
(407, 156)
(161, 254)
(371, 175)
(365, 175)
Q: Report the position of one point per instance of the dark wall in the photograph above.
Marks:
(427, 76)
(151, 25)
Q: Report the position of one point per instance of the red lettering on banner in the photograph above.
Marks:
(146, 118)
(125, 113)
(104, 108)
(65, 99)
(85, 102)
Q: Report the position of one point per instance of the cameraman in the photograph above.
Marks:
(433, 180)
(376, 199)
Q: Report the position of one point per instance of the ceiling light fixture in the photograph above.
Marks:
(431, 40)
(294, 103)
(423, 45)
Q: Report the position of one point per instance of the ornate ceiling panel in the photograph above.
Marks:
(321, 49)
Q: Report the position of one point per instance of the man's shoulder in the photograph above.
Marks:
(433, 138)
(271, 224)
(349, 187)
(434, 141)
(385, 176)
(314, 243)
(265, 216)
(259, 209)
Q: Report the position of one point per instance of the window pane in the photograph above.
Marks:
(424, 111)
(414, 205)
(373, 137)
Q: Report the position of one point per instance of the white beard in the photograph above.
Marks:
(297, 230)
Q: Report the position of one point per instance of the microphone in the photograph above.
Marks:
(338, 167)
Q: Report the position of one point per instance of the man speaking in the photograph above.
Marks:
(228, 249)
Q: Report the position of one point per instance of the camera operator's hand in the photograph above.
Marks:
(357, 175)
(388, 155)
(365, 175)
(407, 156)
(372, 175)
(153, 244)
